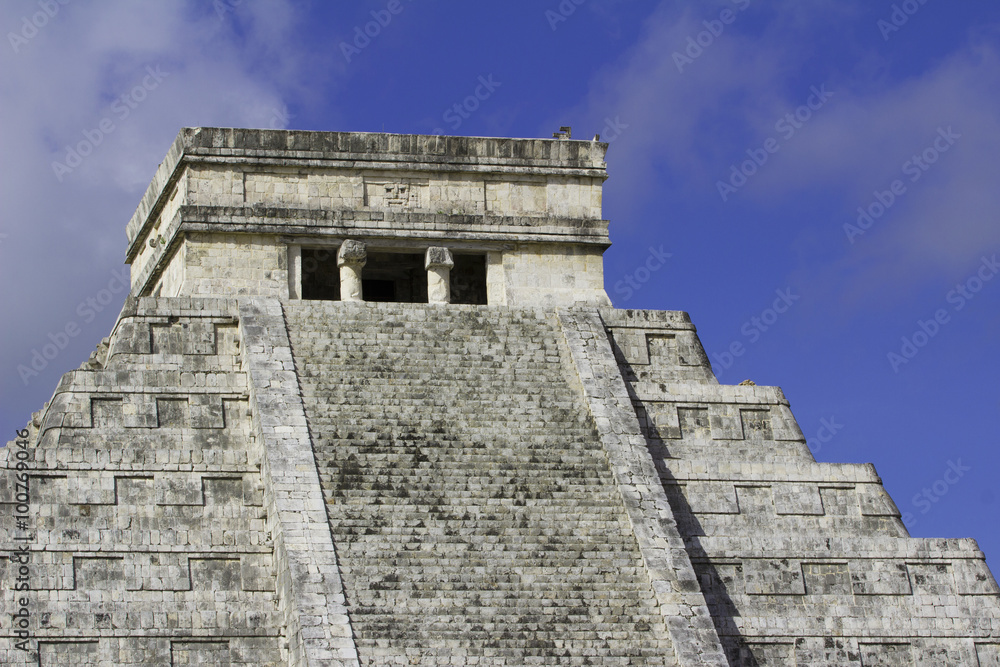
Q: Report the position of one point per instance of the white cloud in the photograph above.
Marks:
(949, 212)
(670, 109)
(687, 127)
(65, 238)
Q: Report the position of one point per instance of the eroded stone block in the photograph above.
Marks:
(827, 578)
(68, 653)
(185, 653)
(880, 577)
(773, 577)
(886, 655)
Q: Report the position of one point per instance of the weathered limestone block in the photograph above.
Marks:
(880, 577)
(840, 501)
(797, 499)
(226, 208)
(827, 578)
(988, 654)
(973, 577)
(712, 497)
(199, 653)
(68, 653)
(874, 500)
(134, 477)
(763, 576)
(764, 654)
(657, 346)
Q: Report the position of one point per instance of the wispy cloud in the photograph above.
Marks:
(239, 69)
(950, 212)
(690, 127)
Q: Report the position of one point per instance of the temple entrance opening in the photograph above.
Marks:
(396, 277)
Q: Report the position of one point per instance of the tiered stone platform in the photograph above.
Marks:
(368, 404)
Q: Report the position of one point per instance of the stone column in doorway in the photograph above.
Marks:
(438, 262)
(351, 258)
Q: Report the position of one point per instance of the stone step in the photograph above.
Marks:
(469, 496)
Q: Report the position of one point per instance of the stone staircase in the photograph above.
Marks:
(470, 500)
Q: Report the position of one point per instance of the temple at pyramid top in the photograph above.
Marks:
(273, 471)
(373, 217)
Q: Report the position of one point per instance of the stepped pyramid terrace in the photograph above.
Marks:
(368, 403)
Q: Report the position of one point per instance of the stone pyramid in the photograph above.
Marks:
(369, 404)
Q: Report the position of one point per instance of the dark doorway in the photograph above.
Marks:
(390, 276)
(379, 290)
(468, 280)
(320, 275)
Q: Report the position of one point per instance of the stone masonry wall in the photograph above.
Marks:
(148, 540)
(208, 263)
(162, 227)
(241, 477)
(549, 275)
(236, 264)
(536, 203)
(181, 502)
(171, 281)
(801, 562)
(351, 189)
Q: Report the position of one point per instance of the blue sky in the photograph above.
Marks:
(745, 137)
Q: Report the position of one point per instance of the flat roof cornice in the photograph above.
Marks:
(363, 150)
